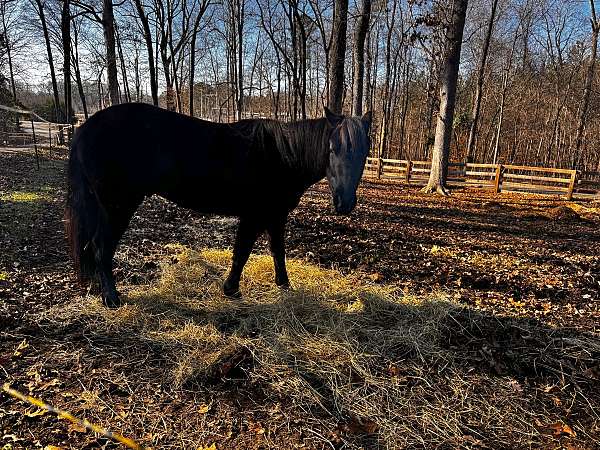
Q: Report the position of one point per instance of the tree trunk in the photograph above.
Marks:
(126, 91)
(42, 16)
(503, 95)
(8, 44)
(192, 72)
(589, 78)
(337, 53)
(151, 60)
(360, 34)
(65, 28)
(443, 131)
(240, 57)
(170, 93)
(195, 30)
(108, 26)
(479, 86)
(75, 57)
(136, 71)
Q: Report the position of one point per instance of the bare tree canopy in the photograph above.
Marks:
(524, 87)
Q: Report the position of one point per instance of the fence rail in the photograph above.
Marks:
(565, 183)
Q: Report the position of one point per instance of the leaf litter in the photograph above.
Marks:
(417, 321)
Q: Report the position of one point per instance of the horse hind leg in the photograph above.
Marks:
(276, 232)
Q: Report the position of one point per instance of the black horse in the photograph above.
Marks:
(256, 170)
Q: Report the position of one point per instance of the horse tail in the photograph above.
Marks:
(81, 216)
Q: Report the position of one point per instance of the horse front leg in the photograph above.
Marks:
(246, 235)
(276, 232)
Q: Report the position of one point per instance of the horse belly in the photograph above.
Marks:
(208, 194)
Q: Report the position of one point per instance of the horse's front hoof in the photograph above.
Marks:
(284, 286)
(111, 302)
(282, 282)
(231, 291)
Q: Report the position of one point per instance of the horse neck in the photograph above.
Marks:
(307, 148)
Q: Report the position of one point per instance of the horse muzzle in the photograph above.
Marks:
(343, 207)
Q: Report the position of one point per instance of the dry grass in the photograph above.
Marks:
(365, 364)
(24, 197)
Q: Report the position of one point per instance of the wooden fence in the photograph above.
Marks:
(565, 183)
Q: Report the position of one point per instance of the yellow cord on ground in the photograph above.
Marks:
(70, 417)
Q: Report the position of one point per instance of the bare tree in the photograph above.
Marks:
(589, 77)
(145, 25)
(337, 55)
(108, 26)
(76, 67)
(4, 5)
(194, 34)
(479, 82)
(42, 16)
(360, 34)
(443, 131)
(65, 27)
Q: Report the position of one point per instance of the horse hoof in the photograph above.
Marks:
(284, 286)
(231, 291)
(111, 302)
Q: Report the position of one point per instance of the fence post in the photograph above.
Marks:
(408, 170)
(37, 157)
(572, 185)
(379, 167)
(50, 139)
(499, 170)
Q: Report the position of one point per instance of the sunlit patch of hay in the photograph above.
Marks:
(590, 212)
(487, 261)
(3, 276)
(23, 197)
(338, 350)
(574, 211)
(446, 252)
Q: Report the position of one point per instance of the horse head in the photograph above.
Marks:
(349, 144)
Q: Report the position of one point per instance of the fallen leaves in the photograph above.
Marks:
(35, 412)
(212, 446)
(515, 385)
(22, 346)
(394, 236)
(203, 408)
(556, 429)
(559, 429)
(76, 428)
(376, 277)
(360, 425)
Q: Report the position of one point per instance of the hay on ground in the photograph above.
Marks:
(353, 358)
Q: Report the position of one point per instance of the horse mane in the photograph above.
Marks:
(354, 134)
(301, 145)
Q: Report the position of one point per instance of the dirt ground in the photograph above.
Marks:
(521, 275)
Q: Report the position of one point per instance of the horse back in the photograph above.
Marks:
(140, 150)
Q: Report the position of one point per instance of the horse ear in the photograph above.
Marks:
(333, 119)
(366, 120)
